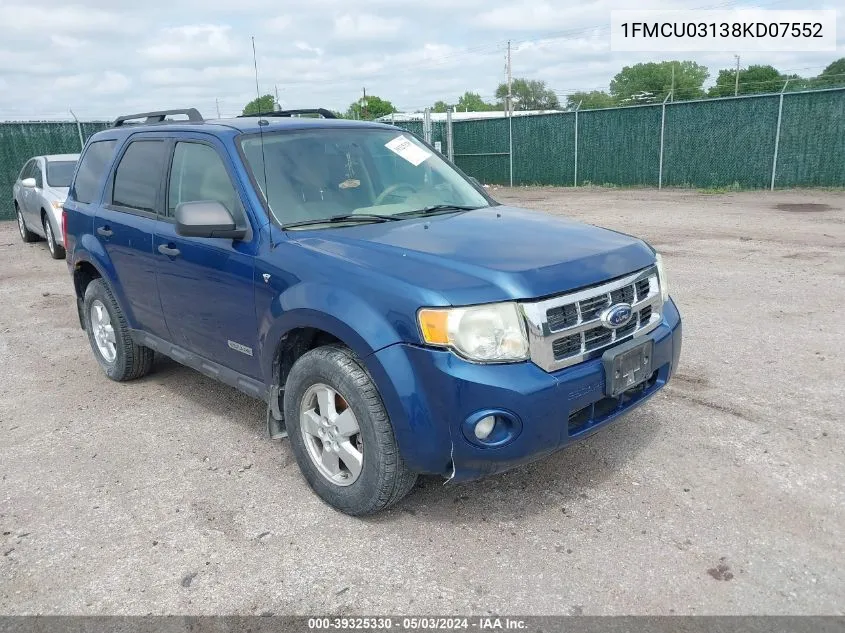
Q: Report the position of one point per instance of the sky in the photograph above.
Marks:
(102, 59)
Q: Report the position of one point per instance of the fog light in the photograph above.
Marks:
(484, 427)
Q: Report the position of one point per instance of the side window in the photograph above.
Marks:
(137, 178)
(91, 167)
(38, 175)
(198, 173)
(27, 169)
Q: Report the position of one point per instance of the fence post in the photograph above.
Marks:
(78, 130)
(777, 135)
(578, 107)
(662, 131)
(450, 151)
(427, 125)
(510, 141)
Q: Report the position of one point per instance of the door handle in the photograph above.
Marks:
(165, 249)
(105, 231)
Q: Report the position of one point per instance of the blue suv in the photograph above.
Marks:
(395, 318)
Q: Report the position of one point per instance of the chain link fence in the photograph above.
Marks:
(21, 141)
(794, 139)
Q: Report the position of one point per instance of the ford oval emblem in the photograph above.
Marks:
(617, 315)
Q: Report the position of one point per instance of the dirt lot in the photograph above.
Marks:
(725, 494)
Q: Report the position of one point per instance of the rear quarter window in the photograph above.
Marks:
(93, 163)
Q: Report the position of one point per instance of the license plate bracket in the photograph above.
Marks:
(627, 366)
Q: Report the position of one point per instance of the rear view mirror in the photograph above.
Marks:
(29, 183)
(206, 218)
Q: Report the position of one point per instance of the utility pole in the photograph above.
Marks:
(277, 106)
(217, 105)
(736, 83)
(510, 95)
(672, 91)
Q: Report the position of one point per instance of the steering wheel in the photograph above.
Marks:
(391, 190)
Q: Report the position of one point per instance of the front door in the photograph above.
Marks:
(206, 284)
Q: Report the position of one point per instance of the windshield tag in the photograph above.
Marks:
(402, 146)
(350, 183)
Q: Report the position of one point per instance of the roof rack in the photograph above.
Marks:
(326, 114)
(158, 117)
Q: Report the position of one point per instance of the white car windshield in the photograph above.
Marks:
(338, 173)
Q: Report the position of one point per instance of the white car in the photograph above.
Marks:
(39, 192)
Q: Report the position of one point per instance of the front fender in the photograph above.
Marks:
(335, 310)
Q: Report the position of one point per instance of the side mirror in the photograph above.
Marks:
(29, 183)
(206, 218)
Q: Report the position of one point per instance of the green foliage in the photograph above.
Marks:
(260, 105)
(652, 81)
(373, 108)
(589, 100)
(528, 94)
(831, 77)
(758, 79)
(440, 106)
(472, 102)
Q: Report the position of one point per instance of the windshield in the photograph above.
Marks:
(329, 173)
(59, 172)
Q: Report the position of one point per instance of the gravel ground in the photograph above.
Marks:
(724, 495)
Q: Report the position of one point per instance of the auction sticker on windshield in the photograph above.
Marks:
(406, 149)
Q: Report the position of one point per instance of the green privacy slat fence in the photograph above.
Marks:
(721, 143)
(21, 141)
(711, 143)
(813, 153)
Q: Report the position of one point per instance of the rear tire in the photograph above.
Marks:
(26, 235)
(108, 333)
(57, 251)
(361, 471)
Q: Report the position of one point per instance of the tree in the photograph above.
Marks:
(260, 105)
(472, 102)
(440, 106)
(652, 81)
(374, 108)
(528, 94)
(831, 77)
(752, 80)
(589, 100)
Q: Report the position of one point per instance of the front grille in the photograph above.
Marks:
(599, 411)
(568, 329)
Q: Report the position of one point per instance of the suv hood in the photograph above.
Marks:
(491, 254)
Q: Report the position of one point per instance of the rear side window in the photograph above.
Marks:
(137, 179)
(94, 162)
(59, 172)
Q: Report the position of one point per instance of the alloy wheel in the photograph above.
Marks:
(331, 434)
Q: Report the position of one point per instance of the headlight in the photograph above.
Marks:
(492, 333)
(661, 278)
(57, 204)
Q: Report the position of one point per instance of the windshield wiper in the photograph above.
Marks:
(346, 217)
(436, 208)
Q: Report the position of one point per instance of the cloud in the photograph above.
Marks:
(108, 57)
(199, 43)
(366, 27)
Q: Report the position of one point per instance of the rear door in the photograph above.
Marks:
(125, 225)
(207, 285)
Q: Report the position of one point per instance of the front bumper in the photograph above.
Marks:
(429, 394)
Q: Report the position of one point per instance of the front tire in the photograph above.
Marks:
(26, 235)
(341, 435)
(108, 333)
(57, 251)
